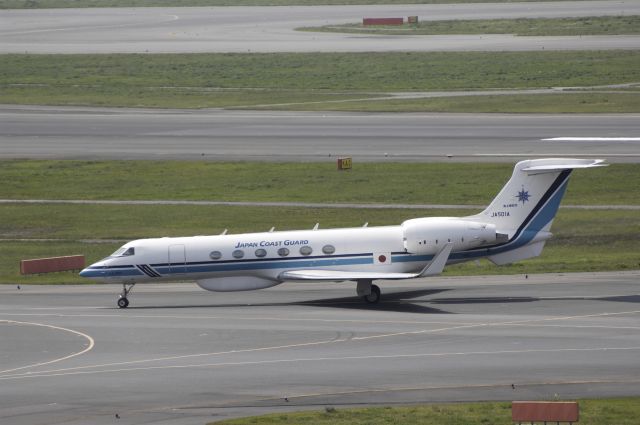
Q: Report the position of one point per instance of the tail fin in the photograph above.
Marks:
(525, 207)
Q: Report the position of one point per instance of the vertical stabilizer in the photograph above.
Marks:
(525, 207)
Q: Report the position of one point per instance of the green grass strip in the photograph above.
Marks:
(622, 411)
(385, 183)
(591, 25)
(234, 80)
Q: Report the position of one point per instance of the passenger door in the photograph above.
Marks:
(177, 259)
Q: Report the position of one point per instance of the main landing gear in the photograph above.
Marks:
(123, 302)
(368, 292)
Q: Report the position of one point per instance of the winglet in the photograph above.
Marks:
(436, 265)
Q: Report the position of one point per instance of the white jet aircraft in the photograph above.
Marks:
(515, 226)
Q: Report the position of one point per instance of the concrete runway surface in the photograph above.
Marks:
(102, 133)
(271, 29)
(180, 355)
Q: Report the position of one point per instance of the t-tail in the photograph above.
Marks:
(525, 208)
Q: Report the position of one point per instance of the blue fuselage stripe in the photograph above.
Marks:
(229, 266)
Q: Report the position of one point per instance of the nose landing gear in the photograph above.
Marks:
(123, 302)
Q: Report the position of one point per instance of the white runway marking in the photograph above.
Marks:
(321, 359)
(89, 348)
(592, 139)
(550, 154)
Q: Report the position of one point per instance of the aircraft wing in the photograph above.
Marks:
(435, 267)
(336, 275)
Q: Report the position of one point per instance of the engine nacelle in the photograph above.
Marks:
(236, 283)
(428, 235)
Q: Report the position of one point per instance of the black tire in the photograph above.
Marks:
(123, 303)
(374, 296)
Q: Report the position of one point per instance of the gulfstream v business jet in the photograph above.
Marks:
(515, 226)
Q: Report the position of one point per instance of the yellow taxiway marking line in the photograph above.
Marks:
(317, 359)
(79, 353)
(78, 370)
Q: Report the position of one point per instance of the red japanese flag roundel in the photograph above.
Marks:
(381, 258)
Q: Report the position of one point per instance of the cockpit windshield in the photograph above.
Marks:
(124, 252)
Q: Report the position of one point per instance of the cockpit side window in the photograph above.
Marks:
(118, 252)
(124, 252)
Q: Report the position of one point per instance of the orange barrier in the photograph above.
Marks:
(53, 264)
(382, 21)
(544, 411)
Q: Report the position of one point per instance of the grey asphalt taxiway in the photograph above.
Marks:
(182, 355)
(272, 29)
(110, 133)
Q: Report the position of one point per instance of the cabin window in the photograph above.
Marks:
(306, 250)
(261, 252)
(283, 252)
(238, 253)
(215, 255)
(328, 249)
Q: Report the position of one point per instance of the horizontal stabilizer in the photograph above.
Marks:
(523, 253)
(560, 164)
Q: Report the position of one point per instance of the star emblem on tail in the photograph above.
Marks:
(523, 196)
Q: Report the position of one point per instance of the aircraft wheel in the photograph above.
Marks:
(374, 296)
(123, 303)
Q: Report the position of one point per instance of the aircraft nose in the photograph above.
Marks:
(92, 271)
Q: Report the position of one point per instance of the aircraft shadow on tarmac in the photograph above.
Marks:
(485, 300)
(623, 299)
(401, 302)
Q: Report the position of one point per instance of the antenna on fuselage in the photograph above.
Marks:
(366, 224)
(316, 226)
(272, 229)
(224, 232)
